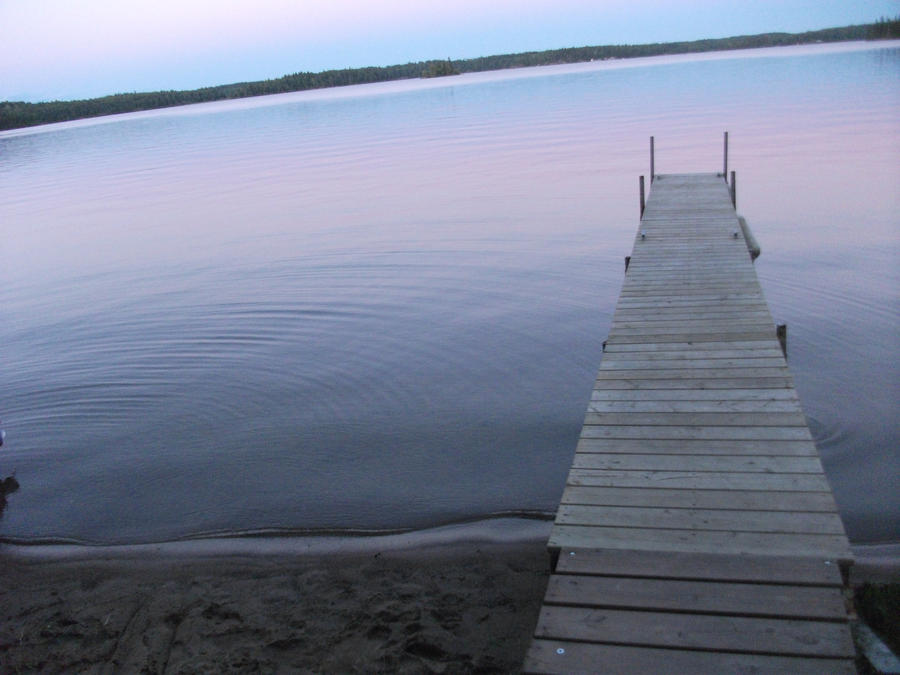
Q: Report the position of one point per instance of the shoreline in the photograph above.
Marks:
(727, 52)
(488, 530)
(25, 114)
(871, 560)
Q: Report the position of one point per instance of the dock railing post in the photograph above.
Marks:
(725, 169)
(652, 162)
(642, 197)
(733, 191)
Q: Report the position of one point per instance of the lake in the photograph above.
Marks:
(381, 307)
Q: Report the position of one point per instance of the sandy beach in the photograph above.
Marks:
(448, 608)
(451, 600)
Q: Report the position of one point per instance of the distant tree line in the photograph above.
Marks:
(15, 114)
(440, 69)
(884, 29)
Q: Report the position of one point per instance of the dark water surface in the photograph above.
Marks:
(382, 307)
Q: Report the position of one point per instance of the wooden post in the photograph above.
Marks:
(725, 169)
(652, 162)
(733, 191)
(627, 262)
(781, 334)
(642, 197)
(752, 244)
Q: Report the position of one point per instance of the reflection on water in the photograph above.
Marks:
(383, 307)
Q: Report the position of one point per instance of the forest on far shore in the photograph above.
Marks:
(16, 114)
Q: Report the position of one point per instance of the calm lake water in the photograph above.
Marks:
(382, 307)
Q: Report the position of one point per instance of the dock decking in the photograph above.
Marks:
(697, 531)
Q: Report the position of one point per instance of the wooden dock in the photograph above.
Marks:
(697, 531)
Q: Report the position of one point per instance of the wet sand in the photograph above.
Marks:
(460, 608)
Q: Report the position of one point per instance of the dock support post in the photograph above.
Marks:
(781, 334)
(554, 558)
(652, 162)
(733, 191)
(627, 262)
(643, 203)
(725, 169)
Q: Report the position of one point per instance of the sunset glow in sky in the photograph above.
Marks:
(59, 49)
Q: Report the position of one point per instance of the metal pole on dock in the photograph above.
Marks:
(725, 169)
(642, 197)
(652, 161)
(733, 191)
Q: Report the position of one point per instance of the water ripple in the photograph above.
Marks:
(349, 311)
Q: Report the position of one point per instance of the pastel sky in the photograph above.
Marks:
(64, 49)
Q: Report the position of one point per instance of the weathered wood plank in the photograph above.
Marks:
(698, 419)
(699, 395)
(700, 541)
(673, 246)
(687, 432)
(704, 304)
(676, 262)
(784, 382)
(696, 631)
(767, 352)
(676, 447)
(739, 463)
(676, 258)
(613, 346)
(669, 326)
(726, 308)
(700, 480)
(686, 286)
(657, 365)
(712, 298)
(715, 267)
(693, 291)
(739, 335)
(707, 597)
(689, 373)
(760, 568)
(717, 270)
(684, 264)
(756, 310)
(562, 657)
(682, 319)
(704, 325)
(705, 284)
(766, 405)
(724, 520)
(687, 312)
(693, 295)
(751, 500)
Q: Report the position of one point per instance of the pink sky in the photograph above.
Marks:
(64, 49)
